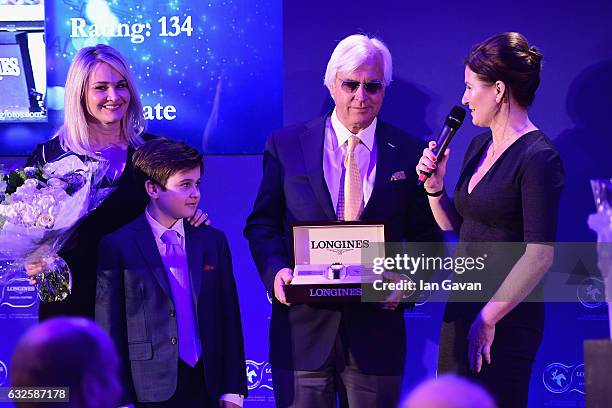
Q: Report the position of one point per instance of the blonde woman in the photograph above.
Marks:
(103, 120)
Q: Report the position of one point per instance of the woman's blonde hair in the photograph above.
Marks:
(74, 134)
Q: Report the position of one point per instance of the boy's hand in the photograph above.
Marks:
(198, 218)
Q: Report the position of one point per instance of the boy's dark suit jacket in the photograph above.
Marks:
(293, 189)
(134, 304)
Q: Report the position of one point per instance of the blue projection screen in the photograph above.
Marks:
(209, 72)
(22, 62)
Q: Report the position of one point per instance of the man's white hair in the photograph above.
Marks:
(354, 51)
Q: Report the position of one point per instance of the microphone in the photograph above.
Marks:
(453, 121)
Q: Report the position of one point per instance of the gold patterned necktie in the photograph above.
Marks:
(353, 185)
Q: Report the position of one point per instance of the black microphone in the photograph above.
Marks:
(453, 121)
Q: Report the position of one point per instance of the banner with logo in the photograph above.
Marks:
(18, 312)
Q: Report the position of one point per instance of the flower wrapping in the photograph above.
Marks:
(39, 209)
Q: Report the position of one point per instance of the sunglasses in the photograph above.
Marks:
(371, 88)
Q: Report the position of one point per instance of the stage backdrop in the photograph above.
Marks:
(428, 41)
(208, 72)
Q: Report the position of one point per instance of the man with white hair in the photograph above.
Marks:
(347, 165)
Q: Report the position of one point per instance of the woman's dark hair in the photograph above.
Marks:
(507, 57)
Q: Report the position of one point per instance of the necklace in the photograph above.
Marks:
(503, 145)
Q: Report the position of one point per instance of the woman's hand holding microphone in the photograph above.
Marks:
(434, 184)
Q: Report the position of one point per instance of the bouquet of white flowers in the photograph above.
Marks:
(39, 208)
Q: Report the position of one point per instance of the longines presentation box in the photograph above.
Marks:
(333, 261)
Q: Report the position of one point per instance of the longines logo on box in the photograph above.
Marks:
(340, 246)
(334, 292)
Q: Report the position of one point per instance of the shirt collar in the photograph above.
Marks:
(158, 229)
(342, 133)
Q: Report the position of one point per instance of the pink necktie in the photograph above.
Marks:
(180, 284)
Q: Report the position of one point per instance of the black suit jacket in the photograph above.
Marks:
(293, 189)
(134, 304)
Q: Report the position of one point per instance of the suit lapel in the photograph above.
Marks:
(194, 248)
(385, 160)
(311, 141)
(145, 242)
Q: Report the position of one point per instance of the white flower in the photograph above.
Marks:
(66, 165)
(54, 210)
(45, 220)
(26, 191)
(58, 194)
(44, 201)
(8, 212)
(57, 183)
(28, 213)
(29, 184)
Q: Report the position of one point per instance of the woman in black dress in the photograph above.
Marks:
(508, 192)
(103, 120)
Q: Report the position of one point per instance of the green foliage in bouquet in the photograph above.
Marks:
(16, 178)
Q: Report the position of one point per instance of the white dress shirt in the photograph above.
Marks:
(334, 151)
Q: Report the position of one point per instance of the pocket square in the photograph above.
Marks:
(398, 175)
(208, 268)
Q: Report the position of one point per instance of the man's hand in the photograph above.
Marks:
(395, 297)
(282, 279)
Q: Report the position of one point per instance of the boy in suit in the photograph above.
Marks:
(166, 292)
